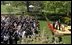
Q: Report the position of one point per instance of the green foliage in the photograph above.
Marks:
(57, 6)
(22, 8)
(3, 8)
(17, 7)
(47, 6)
(66, 20)
(17, 3)
(9, 9)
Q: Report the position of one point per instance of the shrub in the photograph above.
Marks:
(67, 20)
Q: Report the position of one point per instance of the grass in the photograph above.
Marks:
(45, 36)
(66, 39)
(45, 33)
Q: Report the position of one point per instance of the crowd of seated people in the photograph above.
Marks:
(15, 27)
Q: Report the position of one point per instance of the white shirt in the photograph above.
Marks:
(23, 33)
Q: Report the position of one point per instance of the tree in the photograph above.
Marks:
(22, 9)
(57, 6)
(9, 9)
(37, 6)
(27, 4)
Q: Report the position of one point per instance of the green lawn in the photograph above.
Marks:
(43, 27)
(43, 24)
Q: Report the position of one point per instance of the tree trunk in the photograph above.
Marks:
(27, 6)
